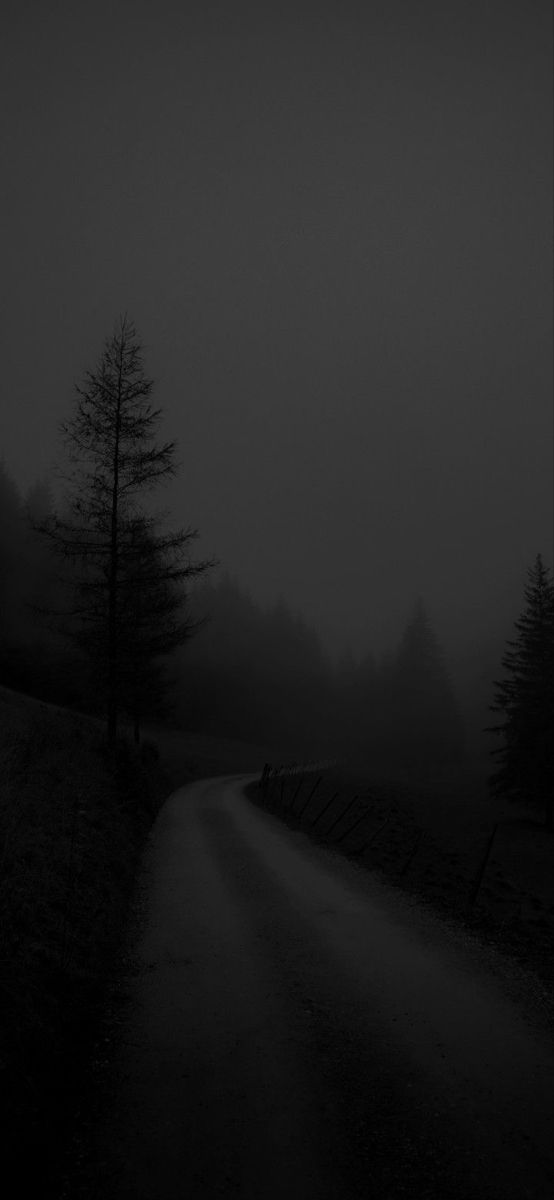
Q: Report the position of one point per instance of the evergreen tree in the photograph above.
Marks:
(114, 461)
(525, 697)
(11, 528)
(255, 673)
(427, 724)
(153, 615)
(11, 531)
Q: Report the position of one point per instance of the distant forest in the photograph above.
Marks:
(247, 672)
(251, 672)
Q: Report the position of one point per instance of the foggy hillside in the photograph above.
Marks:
(257, 672)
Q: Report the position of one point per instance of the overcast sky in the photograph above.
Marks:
(334, 233)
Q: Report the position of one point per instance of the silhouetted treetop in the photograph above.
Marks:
(525, 698)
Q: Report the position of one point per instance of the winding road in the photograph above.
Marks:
(298, 1029)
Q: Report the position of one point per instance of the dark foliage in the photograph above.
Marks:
(256, 674)
(253, 674)
(153, 617)
(33, 657)
(525, 698)
(425, 717)
(123, 568)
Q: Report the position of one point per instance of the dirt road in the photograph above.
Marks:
(298, 1029)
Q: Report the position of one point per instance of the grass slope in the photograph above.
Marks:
(72, 823)
(74, 820)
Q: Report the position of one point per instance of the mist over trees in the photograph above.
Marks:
(261, 674)
(257, 673)
(99, 602)
(254, 673)
(33, 657)
(426, 716)
(11, 529)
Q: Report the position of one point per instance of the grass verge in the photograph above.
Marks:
(74, 820)
(430, 838)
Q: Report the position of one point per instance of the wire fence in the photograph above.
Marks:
(315, 798)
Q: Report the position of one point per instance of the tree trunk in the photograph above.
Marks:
(112, 715)
(112, 593)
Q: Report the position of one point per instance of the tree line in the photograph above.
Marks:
(252, 670)
(99, 602)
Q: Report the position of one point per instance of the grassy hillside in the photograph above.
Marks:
(73, 823)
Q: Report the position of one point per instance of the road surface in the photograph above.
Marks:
(300, 1030)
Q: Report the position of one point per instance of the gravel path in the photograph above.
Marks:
(298, 1029)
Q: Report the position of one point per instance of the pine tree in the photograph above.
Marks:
(526, 699)
(115, 461)
(11, 528)
(153, 616)
(426, 720)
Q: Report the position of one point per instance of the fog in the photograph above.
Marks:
(333, 231)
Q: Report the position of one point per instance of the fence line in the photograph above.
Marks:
(324, 810)
(339, 818)
(316, 785)
(283, 770)
(271, 775)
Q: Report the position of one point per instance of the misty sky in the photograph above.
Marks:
(332, 226)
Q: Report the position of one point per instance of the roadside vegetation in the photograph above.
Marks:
(74, 820)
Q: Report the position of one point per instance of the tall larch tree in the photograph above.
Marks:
(115, 460)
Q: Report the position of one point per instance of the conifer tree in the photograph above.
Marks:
(11, 525)
(153, 617)
(425, 717)
(525, 698)
(115, 460)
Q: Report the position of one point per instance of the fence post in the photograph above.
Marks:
(351, 828)
(291, 805)
(412, 854)
(324, 809)
(303, 810)
(479, 877)
(373, 836)
(342, 814)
